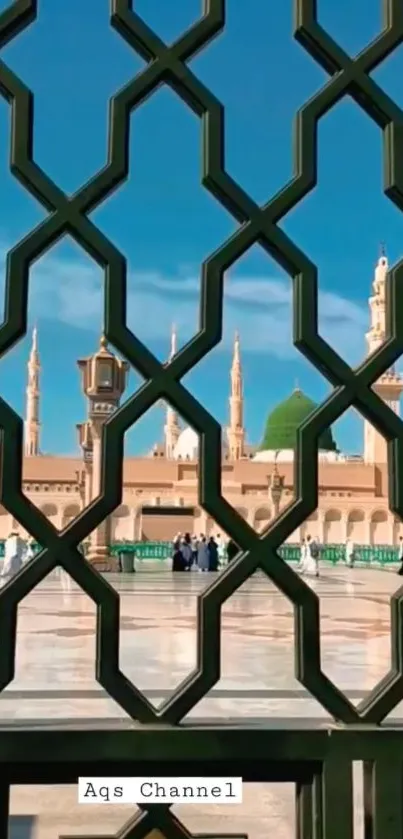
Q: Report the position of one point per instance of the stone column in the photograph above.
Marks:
(250, 518)
(98, 554)
(368, 539)
(87, 484)
(134, 525)
(391, 523)
(321, 527)
(203, 523)
(344, 528)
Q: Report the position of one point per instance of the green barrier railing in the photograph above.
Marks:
(334, 553)
(379, 554)
(144, 550)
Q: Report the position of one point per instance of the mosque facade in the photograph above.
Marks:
(160, 489)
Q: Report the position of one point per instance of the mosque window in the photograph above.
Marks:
(105, 374)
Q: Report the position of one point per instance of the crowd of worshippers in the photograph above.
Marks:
(17, 552)
(201, 553)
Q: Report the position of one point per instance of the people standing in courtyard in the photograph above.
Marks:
(400, 555)
(203, 555)
(213, 554)
(14, 549)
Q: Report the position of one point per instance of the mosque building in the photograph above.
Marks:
(160, 489)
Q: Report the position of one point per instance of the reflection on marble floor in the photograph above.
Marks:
(56, 645)
(55, 667)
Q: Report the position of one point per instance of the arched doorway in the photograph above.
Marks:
(121, 527)
(379, 532)
(262, 518)
(69, 513)
(356, 527)
(51, 512)
(332, 528)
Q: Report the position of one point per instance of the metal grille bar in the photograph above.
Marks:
(307, 756)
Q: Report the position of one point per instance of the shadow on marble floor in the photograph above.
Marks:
(21, 827)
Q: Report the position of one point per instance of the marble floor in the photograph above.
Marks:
(55, 676)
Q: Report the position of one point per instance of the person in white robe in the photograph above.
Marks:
(29, 551)
(311, 560)
(302, 557)
(14, 549)
(222, 550)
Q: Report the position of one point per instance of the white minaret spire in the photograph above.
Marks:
(236, 431)
(377, 304)
(390, 386)
(32, 424)
(172, 427)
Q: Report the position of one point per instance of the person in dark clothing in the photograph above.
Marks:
(178, 562)
(176, 542)
(232, 550)
(186, 551)
(212, 554)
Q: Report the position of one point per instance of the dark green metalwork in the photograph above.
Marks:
(316, 758)
(157, 817)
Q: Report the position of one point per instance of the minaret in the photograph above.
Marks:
(32, 424)
(172, 427)
(390, 386)
(235, 431)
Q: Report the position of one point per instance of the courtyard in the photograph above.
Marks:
(55, 682)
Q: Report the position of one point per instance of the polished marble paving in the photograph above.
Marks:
(55, 673)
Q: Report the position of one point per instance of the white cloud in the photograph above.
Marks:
(259, 307)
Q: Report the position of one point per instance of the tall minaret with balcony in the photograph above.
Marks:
(236, 431)
(172, 427)
(390, 386)
(32, 424)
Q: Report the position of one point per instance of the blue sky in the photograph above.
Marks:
(166, 224)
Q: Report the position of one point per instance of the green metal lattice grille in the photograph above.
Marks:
(70, 215)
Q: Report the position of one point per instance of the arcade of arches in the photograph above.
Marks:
(332, 525)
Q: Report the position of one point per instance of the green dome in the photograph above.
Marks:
(282, 424)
